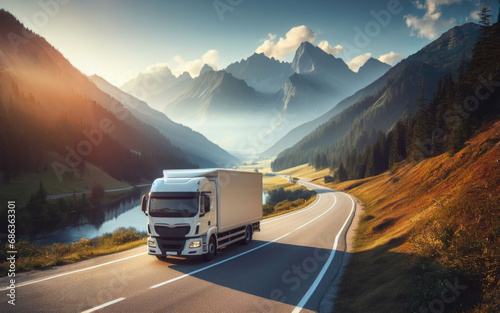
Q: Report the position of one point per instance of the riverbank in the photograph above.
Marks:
(78, 218)
(33, 257)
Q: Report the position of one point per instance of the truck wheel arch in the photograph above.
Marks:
(210, 256)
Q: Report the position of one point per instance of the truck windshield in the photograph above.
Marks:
(174, 207)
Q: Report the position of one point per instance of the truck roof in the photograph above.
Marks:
(190, 173)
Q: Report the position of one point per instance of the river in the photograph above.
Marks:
(126, 213)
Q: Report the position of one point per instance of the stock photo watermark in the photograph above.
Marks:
(364, 36)
(449, 294)
(224, 6)
(295, 276)
(11, 251)
(275, 129)
(456, 117)
(40, 19)
(112, 289)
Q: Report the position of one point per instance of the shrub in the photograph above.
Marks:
(124, 235)
(278, 195)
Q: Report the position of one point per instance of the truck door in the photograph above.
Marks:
(209, 208)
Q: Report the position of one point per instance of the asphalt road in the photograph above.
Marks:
(288, 267)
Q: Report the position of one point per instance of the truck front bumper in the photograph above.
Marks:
(182, 247)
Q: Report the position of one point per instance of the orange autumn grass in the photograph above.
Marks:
(426, 224)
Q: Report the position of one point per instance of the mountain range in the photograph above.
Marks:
(355, 121)
(259, 104)
(55, 119)
(259, 95)
(157, 85)
(266, 75)
(197, 147)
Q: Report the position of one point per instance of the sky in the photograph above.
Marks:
(117, 39)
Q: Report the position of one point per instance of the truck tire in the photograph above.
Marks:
(161, 257)
(248, 236)
(212, 250)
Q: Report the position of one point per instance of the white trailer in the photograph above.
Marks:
(196, 212)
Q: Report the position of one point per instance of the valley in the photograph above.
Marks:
(380, 161)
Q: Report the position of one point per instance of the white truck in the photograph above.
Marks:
(196, 212)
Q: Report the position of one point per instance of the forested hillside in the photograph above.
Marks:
(391, 97)
(52, 117)
(459, 109)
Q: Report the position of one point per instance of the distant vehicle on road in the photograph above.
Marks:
(196, 212)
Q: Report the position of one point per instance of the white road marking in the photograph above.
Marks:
(104, 305)
(73, 272)
(241, 254)
(318, 279)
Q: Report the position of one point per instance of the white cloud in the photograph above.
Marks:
(390, 58)
(284, 46)
(158, 67)
(358, 61)
(474, 15)
(325, 46)
(211, 57)
(178, 59)
(430, 24)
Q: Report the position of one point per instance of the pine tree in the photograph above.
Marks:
(41, 194)
(333, 164)
(342, 173)
(485, 16)
(398, 147)
(484, 21)
(324, 161)
(317, 161)
(420, 115)
(370, 162)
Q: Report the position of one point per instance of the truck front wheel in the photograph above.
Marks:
(248, 236)
(212, 250)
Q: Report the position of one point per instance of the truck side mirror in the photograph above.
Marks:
(144, 203)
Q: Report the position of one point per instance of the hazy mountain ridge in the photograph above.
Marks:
(266, 75)
(450, 50)
(156, 86)
(58, 107)
(321, 81)
(310, 86)
(213, 93)
(372, 70)
(196, 146)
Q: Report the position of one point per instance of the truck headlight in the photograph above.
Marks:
(151, 243)
(195, 244)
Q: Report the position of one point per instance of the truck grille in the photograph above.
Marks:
(172, 232)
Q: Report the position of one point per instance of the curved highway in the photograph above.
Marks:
(288, 267)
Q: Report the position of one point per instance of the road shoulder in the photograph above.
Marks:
(327, 304)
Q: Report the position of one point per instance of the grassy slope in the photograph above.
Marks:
(306, 171)
(425, 224)
(21, 187)
(275, 182)
(263, 166)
